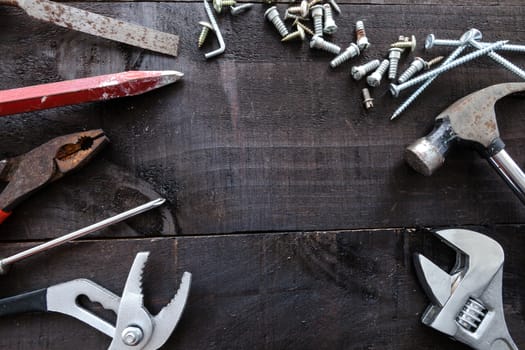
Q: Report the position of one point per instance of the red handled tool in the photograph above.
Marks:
(47, 163)
(99, 88)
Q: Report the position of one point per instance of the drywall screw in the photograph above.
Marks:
(318, 42)
(394, 56)
(368, 101)
(351, 51)
(411, 44)
(218, 4)
(418, 64)
(236, 10)
(206, 27)
(396, 89)
(335, 6)
(301, 10)
(288, 15)
(273, 16)
(467, 36)
(359, 72)
(361, 38)
(501, 60)
(299, 33)
(305, 28)
(317, 15)
(432, 41)
(374, 79)
(329, 24)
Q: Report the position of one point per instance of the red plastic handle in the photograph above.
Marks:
(4, 215)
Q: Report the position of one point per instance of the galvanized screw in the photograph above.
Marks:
(501, 60)
(312, 3)
(374, 79)
(368, 101)
(394, 56)
(301, 10)
(418, 65)
(359, 72)
(288, 15)
(305, 28)
(362, 40)
(206, 27)
(329, 24)
(317, 15)
(132, 335)
(348, 53)
(406, 44)
(273, 16)
(236, 10)
(318, 42)
(335, 6)
(299, 33)
(218, 4)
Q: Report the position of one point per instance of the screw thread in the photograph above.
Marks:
(411, 70)
(502, 61)
(328, 15)
(343, 57)
(295, 10)
(402, 44)
(330, 47)
(434, 61)
(335, 6)
(392, 70)
(281, 27)
(228, 2)
(292, 36)
(360, 30)
(382, 67)
(318, 25)
(370, 66)
(202, 36)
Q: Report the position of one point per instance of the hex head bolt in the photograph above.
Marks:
(361, 38)
(358, 72)
(417, 65)
(273, 16)
(396, 89)
(206, 27)
(348, 53)
(237, 10)
(394, 56)
(219, 4)
(431, 41)
(298, 34)
(368, 101)
(301, 10)
(374, 79)
(329, 24)
(406, 44)
(319, 43)
(317, 15)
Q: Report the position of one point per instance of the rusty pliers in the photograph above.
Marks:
(47, 163)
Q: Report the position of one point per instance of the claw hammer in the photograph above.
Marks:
(472, 121)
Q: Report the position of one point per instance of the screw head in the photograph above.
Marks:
(304, 8)
(373, 79)
(132, 335)
(317, 11)
(271, 13)
(413, 42)
(357, 72)
(394, 90)
(429, 41)
(315, 41)
(471, 34)
(206, 24)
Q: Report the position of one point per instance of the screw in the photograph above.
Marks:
(394, 56)
(317, 15)
(501, 60)
(403, 38)
(477, 35)
(301, 10)
(299, 33)
(417, 65)
(236, 10)
(305, 28)
(406, 44)
(319, 43)
(288, 15)
(335, 6)
(313, 3)
(374, 79)
(396, 89)
(362, 40)
(329, 24)
(218, 4)
(348, 53)
(359, 72)
(467, 36)
(273, 16)
(132, 335)
(367, 100)
(206, 27)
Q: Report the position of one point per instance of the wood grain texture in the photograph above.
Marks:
(317, 290)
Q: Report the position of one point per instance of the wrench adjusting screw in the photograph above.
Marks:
(472, 314)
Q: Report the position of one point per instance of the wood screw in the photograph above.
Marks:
(418, 65)
(317, 15)
(206, 27)
(319, 43)
(350, 51)
(361, 38)
(374, 79)
(358, 72)
(329, 24)
(273, 16)
(394, 56)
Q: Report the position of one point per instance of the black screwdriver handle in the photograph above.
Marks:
(28, 302)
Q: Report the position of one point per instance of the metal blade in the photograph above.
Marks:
(102, 26)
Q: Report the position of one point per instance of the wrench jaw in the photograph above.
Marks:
(466, 303)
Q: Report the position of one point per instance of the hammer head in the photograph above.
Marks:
(471, 120)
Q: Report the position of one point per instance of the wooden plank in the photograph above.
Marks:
(316, 290)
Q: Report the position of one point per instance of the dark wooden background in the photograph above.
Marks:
(291, 205)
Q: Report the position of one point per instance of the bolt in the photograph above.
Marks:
(273, 16)
(319, 43)
(417, 65)
(206, 27)
(218, 4)
(335, 6)
(374, 79)
(362, 40)
(236, 10)
(301, 10)
(348, 53)
(299, 33)
(406, 44)
(359, 72)
(132, 335)
(305, 28)
(329, 24)
(317, 15)
(367, 100)
(396, 89)
(394, 56)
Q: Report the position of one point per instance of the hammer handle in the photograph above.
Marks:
(510, 172)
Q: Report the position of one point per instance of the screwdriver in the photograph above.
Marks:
(7, 262)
